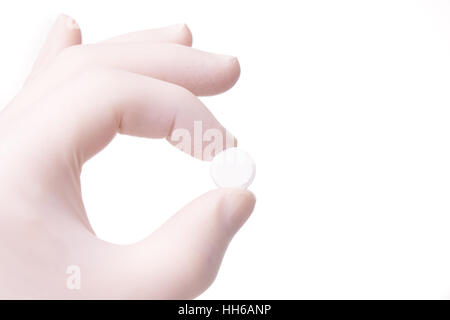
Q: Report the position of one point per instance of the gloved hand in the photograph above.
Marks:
(75, 100)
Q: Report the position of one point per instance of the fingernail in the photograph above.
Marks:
(67, 22)
(238, 206)
(231, 64)
(179, 26)
(182, 31)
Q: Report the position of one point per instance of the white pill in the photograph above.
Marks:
(233, 168)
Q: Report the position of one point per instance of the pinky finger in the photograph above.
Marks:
(64, 33)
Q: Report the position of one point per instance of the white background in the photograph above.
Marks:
(344, 106)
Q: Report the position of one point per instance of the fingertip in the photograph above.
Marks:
(68, 22)
(229, 75)
(179, 34)
(235, 70)
(235, 66)
(66, 31)
(186, 35)
(237, 206)
(223, 71)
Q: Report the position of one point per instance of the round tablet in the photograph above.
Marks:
(233, 168)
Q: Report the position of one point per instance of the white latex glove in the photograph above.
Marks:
(72, 105)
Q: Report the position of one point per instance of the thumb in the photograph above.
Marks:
(181, 259)
(64, 33)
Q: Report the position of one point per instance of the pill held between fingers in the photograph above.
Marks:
(233, 168)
